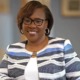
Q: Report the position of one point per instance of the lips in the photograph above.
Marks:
(32, 32)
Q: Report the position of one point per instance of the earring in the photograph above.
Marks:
(21, 32)
(47, 31)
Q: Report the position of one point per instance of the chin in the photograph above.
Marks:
(32, 39)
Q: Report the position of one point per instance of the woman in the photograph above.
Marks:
(40, 57)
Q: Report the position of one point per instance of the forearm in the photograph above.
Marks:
(4, 77)
(4, 69)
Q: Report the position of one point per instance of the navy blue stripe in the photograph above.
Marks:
(15, 46)
(24, 63)
(50, 68)
(50, 50)
(3, 64)
(41, 61)
(72, 78)
(74, 67)
(15, 72)
(67, 60)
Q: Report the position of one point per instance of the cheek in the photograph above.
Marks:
(42, 30)
(44, 27)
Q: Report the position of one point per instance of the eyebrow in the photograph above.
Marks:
(34, 18)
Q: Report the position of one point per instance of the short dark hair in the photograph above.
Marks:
(28, 9)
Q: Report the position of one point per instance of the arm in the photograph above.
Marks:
(72, 62)
(4, 69)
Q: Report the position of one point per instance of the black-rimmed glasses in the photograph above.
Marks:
(37, 21)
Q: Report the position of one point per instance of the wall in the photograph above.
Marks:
(8, 25)
(9, 32)
(66, 27)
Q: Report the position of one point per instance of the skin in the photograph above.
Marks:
(36, 34)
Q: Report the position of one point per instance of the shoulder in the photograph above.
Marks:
(56, 40)
(16, 49)
(59, 40)
(17, 45)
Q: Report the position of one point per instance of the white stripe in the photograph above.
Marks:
(51, 46)
(78, 78)
(70, 55)
(3, 70)
(73, 74)
(5, 77)
(52, 76)
(19, 44)
(20, 51)
(16, 66)
(53, 62)
(75, 59)
(58, 63)
(17, 61)
(21, 77)
(51, 57)
(67, 42)
(16, 50)
(55, 46)
(56, 39)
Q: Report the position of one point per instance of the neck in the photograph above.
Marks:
(39, 42)
(36, 46)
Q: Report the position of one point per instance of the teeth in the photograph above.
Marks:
(32, 32)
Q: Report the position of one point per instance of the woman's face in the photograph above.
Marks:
(34, 26)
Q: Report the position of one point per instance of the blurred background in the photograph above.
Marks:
(66, 15)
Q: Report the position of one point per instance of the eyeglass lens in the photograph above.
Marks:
(36, 21)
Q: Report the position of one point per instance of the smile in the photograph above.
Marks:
(32, 32)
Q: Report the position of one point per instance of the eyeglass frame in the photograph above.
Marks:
(34, 21)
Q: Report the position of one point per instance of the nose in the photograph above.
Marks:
(32, 24)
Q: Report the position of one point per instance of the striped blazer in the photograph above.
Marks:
(56, 61)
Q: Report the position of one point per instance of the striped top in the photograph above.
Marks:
(56, 61)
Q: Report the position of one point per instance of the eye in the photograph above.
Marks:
(27, 21)
(38, 21)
